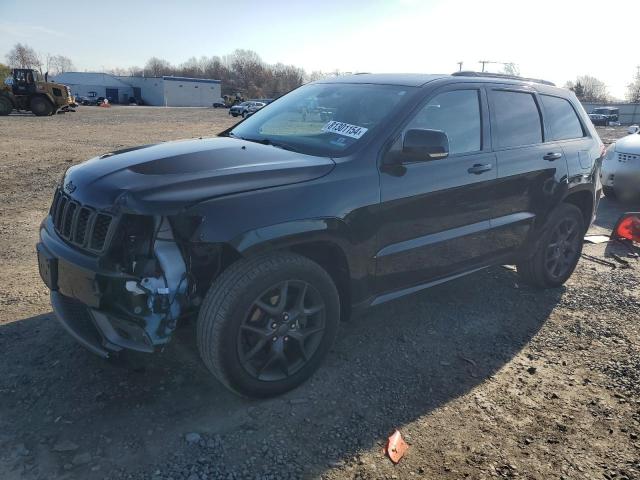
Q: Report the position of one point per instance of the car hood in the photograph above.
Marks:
(167, 177)
(629, 144)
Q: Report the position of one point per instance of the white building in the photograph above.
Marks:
(94, 85)
(165, 91)
(176, 91)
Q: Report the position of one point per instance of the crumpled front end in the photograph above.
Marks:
(117, 281)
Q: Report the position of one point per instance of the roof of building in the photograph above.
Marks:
(188, 79)
(90, 78)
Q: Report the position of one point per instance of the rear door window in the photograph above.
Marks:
(517, 118)
(561, 118)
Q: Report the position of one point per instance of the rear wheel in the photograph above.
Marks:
(558, 249)
(41, 107)
(267, 323)
(5, 106)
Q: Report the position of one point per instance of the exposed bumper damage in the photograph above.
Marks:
(130, 298)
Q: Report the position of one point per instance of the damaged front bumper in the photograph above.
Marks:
(89, 302)
(99, 333)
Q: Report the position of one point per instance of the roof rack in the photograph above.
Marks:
(467, 73)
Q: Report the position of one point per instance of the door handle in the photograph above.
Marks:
(551, 156)
(479, 168)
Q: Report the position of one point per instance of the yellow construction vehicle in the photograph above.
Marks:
(231, 100)
(26, 90)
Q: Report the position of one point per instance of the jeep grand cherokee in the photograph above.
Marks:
(294, 219)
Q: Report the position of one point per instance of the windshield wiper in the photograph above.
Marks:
(277, 144)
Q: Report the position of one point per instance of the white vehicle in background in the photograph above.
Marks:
(246, 108)
(620, 173)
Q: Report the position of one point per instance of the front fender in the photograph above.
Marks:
(292, 233)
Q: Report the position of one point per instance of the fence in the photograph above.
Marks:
(629, 112)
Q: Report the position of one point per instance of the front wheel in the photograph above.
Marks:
(267, 323)
(557, 251)
(41, 107)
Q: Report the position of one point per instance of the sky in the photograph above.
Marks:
(552, 39)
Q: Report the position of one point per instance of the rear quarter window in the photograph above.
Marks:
(561, 118)
(517, 118)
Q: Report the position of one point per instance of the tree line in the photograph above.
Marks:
(23, 56)
(592, 90)
(242, 71)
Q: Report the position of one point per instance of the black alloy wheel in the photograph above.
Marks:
(268, 322)
(563, 248)
(554, 254)
(281, 331)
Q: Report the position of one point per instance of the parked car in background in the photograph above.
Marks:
(283, 226)
(220, 103)
(246, 108)
(601, 116)
(620, 173)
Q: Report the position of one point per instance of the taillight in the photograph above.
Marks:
(628, 227)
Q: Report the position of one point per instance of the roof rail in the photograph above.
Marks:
(467, 73)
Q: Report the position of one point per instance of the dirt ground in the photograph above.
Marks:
(483, 376)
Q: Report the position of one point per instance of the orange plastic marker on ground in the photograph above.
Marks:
(396, 447)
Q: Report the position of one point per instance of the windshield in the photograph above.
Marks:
(323, 119)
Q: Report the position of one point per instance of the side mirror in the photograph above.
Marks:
(426, 144)
(633, 129)
(627, 227)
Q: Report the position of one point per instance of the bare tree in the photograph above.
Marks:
(157, 67)
(511, 69)
(633, 89)
(316, 75)
(57, 64)
(589, 89)
(242, 71)
(119, 71)
(249, 71)
(23, 56)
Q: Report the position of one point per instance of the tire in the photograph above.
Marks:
(248, 347)
(549, 267)
(5, 106)
(41, 107)
(244, 114)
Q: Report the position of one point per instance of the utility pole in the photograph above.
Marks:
(460, 66)
(484, 62)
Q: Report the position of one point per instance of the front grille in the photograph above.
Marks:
(79, 224)
(626, 157)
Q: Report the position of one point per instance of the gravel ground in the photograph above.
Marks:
(483, 376)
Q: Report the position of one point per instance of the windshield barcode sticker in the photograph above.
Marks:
(345, 129)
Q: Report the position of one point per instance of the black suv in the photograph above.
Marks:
(287, 223)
